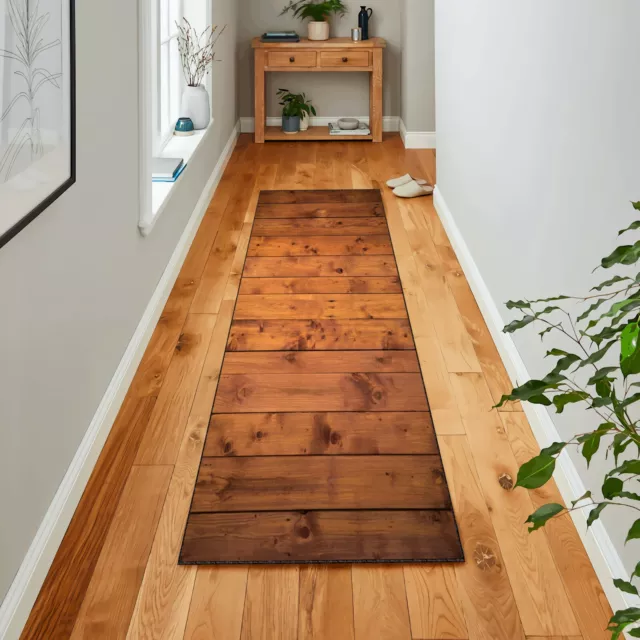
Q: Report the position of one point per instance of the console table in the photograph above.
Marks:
(336, 54)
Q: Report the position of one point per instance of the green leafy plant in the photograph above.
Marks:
(295, 104)
(317, 11)
(598, 370)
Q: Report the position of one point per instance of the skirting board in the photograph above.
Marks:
(606, 561)
(417, 139)
(24, 590)
(389, 123)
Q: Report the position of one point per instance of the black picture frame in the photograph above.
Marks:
(54, 195)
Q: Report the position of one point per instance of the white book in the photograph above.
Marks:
(165, 168)
(362, 130)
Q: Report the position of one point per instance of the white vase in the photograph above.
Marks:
(318, 30)
(304, 122)
(195, 105)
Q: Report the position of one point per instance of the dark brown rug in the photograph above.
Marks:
(321, 446)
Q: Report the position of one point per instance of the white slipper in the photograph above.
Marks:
(413, 190)
(405, 179)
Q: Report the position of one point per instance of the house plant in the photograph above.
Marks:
(319, 13)
(597, 366)
(196, 55)
(294, 106)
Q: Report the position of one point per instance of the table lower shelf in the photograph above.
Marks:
(312, 133)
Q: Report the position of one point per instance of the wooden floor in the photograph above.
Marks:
(321, 445)
(117, 574)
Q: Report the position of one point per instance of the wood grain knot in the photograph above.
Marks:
(506, 481)
(484, 558)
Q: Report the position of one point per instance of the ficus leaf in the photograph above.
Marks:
(636, 571)
(518, 304)
(562, 400)
(634, 531)
(553, 449)
(628, 467)
(584, 315)
(542, 515)
(594, 514)
(532, 389)
(584, 496)
(590, 445)
(632, 227)
(608, 283)
(612, 487)
(518, 324)
(564, 363)
(596, 356)
(536, 472)
(600, 374)
(630, 349)
(626, 254)
(625, 586)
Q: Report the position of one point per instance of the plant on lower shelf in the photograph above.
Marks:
(294, 107)
(317, 11)
(598, 368)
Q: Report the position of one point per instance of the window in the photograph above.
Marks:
(169, 81)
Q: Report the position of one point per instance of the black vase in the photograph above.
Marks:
(363, 21)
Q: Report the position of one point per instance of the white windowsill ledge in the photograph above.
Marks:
(178, 147)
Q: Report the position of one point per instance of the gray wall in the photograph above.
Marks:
(334, 94)
(74, 284)
(538, 138)
(418, 66)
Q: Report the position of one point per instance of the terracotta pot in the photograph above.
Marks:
(318, 30)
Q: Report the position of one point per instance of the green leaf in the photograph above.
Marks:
(591, 309)
(542, 515)
(557, 352)
(620, 443)
(612, 487)
(564, 363)
(554, 299)
(533, 389)
(632, 227)
(634, 633)
(562, 400)
(634, 531)
(600, 374)
(629, 467)
(632, 399)
(536, 472)
(596, 356)
(518, 304)
(594, 514)
(636, 571)
(601, 402)
(584, 496)
(591, 444)
(553, 449)
(625, 586)
(544, 332)
(608, 283)
(543, 400)
(518, 324)
(636, 205)
(621, 620)
(626, 254)
(630, 349)
(603, 388)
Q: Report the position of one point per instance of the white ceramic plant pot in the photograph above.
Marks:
(195, 105)
(318, 30)
(304, 122)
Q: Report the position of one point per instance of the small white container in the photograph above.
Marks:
(195, 105)
(318, 30)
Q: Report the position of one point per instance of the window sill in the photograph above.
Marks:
(178, 147)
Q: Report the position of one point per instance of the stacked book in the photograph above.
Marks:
(166, 169)
(362, 130)
(280, 36)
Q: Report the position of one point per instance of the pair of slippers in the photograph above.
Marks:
(408, 187)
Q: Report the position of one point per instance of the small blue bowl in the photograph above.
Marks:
(184, 127)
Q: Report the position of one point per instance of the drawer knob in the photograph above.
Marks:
(292, 59)
(345, 59)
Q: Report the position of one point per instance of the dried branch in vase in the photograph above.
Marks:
(196, 50)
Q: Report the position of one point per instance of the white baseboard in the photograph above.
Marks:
(24, 590)
(389, 123)
(605, 559)
(417, 139)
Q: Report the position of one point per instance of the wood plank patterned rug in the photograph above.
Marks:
(321, 446)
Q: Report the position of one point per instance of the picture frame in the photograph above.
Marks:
(37, 109)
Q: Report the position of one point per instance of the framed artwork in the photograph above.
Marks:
(37, 108)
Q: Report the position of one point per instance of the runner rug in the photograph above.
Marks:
(321, 446)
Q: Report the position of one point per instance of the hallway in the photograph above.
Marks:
(116, 574)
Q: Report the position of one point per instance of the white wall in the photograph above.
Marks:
(75, 282)
(538, 127)
(418, 66)
(334, 94)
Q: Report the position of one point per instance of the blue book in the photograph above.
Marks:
(173, 178)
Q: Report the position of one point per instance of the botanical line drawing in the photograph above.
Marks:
(28, 24)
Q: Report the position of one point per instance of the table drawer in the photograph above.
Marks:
(345, 58)
(284, 59)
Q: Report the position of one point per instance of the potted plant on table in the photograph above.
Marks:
(294, 107)
(319, 13)
(196, 55)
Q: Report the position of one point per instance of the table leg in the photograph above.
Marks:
(260, 116)
(375, 96)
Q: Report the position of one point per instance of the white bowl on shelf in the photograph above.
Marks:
(348, 124)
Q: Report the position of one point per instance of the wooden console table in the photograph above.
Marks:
(337, 54)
